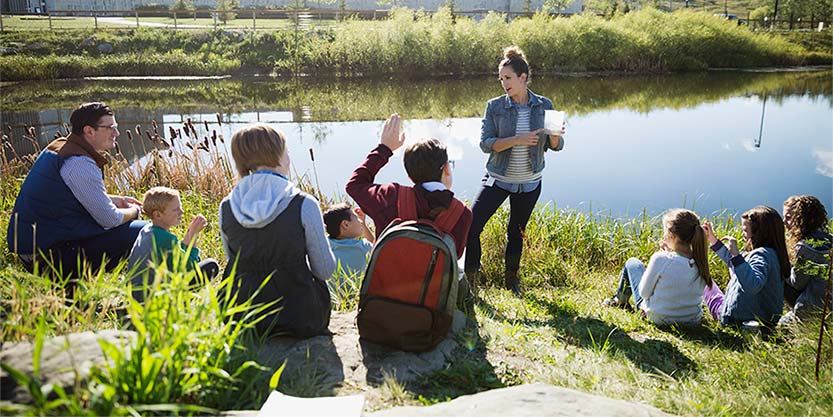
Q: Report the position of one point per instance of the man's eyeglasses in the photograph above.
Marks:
(114, 126)
(450, 163)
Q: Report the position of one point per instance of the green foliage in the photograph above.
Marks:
(414, 44)
(182, 6)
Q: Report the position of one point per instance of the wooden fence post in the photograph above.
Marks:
(137, 17)
(1, 22)
(49, 16)
(254, 19)
(174, 19)
(95, 18)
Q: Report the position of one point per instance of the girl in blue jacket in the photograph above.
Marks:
(756, 285)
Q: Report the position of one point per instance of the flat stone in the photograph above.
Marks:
(528, 400)
(61, 358)
(342, 359)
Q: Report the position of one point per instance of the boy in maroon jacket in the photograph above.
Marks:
(427, 165)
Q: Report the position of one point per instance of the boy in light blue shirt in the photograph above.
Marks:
(351, 241)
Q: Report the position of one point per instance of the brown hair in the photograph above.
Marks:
(766, 229)
(88, 114)
(257, 145)
(807, 215)
(685, 225)
(157, 199)
(514, 57)
(425, 160)
(334, 216)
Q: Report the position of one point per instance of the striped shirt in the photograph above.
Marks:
(519, 170)
(83, 177)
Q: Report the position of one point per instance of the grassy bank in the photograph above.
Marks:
(412, 44)
(556, 333)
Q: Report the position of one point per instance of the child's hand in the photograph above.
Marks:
(390, 133)
(360, 214)
(707, 228)
(197, 224)
(732, 243)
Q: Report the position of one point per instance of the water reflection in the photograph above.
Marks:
(709, 141)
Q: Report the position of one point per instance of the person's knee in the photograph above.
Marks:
(633, 263)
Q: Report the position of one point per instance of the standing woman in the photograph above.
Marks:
(513, 135)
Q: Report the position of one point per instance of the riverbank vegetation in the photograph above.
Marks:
(557, 332)
(365, 99)
(410, 44)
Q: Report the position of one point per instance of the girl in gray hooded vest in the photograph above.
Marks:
(273, 231)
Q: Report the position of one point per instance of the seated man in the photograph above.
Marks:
(63, 211)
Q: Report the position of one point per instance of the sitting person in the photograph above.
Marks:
(63, 213)
(756, 288)
(810, 241)
(273, 231)
(427, 165)
(670, 290)
(156, 244)
(350, 240)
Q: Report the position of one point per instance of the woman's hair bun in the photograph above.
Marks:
(513, 52)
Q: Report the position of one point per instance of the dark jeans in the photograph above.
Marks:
(111, 247)
(485, 205)
(209, 268)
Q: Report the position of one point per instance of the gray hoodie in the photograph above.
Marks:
(259, 198)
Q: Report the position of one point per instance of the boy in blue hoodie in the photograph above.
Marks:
(350, 240)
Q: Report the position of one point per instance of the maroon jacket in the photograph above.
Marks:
(379, 200)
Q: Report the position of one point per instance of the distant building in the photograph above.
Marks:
(504, 6)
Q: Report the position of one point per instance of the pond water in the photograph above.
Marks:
(710, 141)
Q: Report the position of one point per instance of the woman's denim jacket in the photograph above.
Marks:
(500, 121)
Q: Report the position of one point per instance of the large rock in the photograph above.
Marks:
(343, 359)
(105, 48)
(527, 400)
(61, 358)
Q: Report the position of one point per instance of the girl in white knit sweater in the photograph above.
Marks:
(670, 289)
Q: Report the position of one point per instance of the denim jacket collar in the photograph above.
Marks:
(533, 100)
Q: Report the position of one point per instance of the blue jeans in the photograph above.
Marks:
(485, 205)
(629, 281)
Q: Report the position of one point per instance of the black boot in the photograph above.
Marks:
(473, 279)
(512, 282)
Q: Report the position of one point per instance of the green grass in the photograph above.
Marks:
(414, 44)
(557, 332)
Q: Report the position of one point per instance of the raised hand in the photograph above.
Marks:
(707, 228)
(197, 225)
(390, 133)
(732, 243)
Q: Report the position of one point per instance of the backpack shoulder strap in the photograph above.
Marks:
(406, 203)
(448, 218)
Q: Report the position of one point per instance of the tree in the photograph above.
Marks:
(556, 5)
(180, 6)
(227, 10)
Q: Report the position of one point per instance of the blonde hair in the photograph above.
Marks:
(157, 199)
(257, 145)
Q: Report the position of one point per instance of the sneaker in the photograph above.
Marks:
(616, 302)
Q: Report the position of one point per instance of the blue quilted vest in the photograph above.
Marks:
(46, 201)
